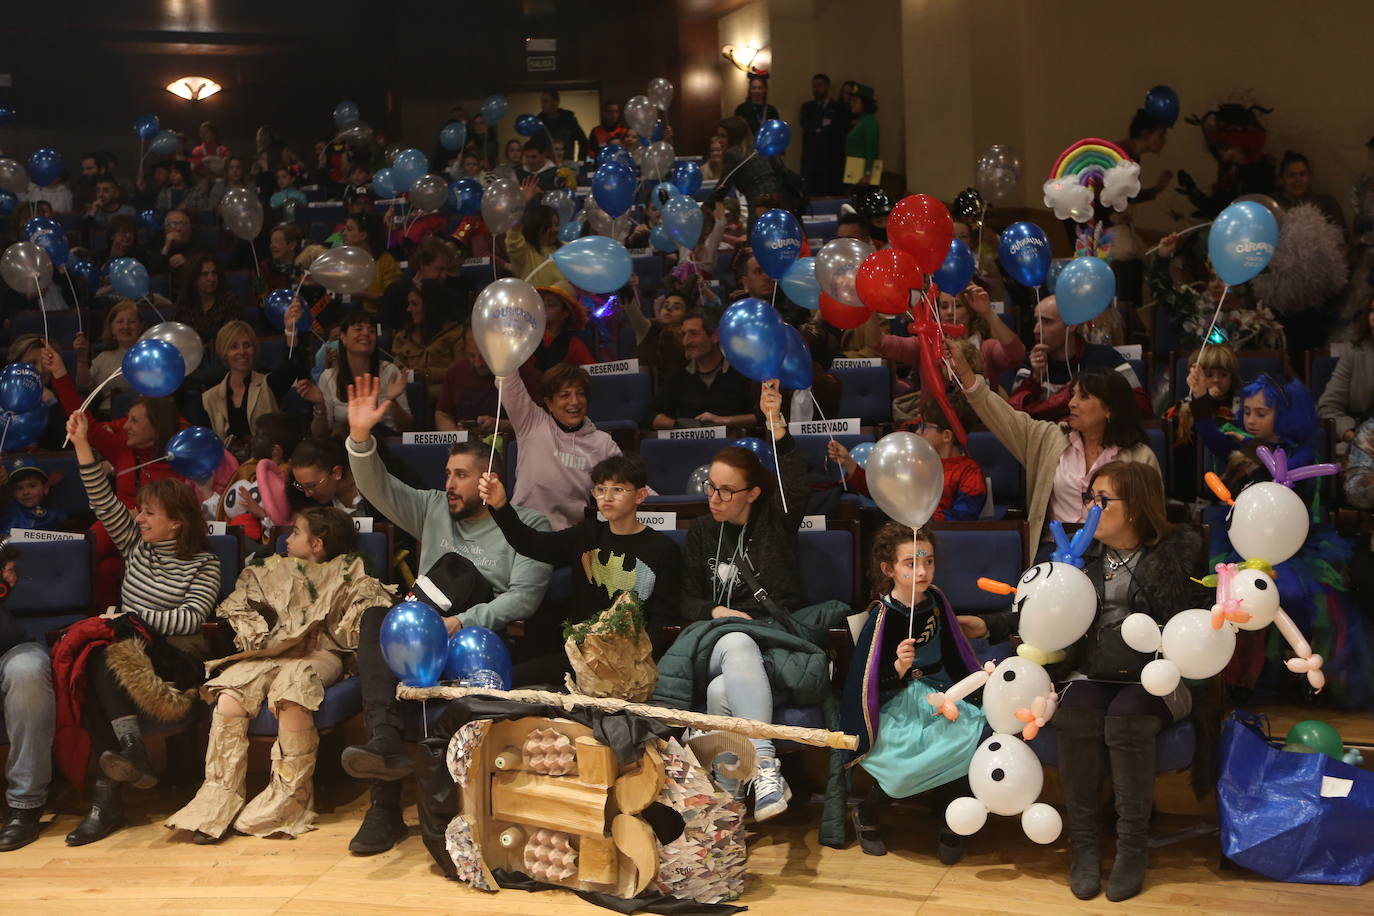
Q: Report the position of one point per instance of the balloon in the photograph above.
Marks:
(612, 154)
(641, 115)
(1024, 251)
(799, 283)
(1013, 686)
(595, 263)
(1317, 735)
(1084, 288)
(86, 270)
(921, 226)
(772, 138)
(861, 452)
(384, 183)
(570, 230)
(453, 135)
(466, 196)
(508, 320)
(659, 240)
(494, 108)
(966, 816)
(154, 368)
(1005, 775)
(794, 372)
(21, 388)
(1161, 104)
(777, 241)
(613, 187)
(184, 338)
(146, 126)
(683, 221)
(1057, 603)
(562, 202)
(275, 307)
(751, 334)
(1160, 677)
(45, 166)
(1242, 241)
(1141, 633)
(287, 199)
(150, 219)
(957, 270)
(658, 160)
(660, 93)
(428, 192)
(357, 135)
(696, 481)
(969, 208)
(839, 315)
(195, 452)
(686, 176)
(1265, 201)
(906, 478)
(345, 113)
(1056, 268)
(241, 210)
(47, 234)
(1190, 642)
(1268, 522)
(527, 125)
(762, 450)
(8, 202)
(885, 280)
(837, 263)
(25, 428)
(502, 206)
(480, 657)
(128, 277)
(13, 178)
(408, 166)
(1299, 749)
(414, 643)
(998, 172)
(1042, 823)
(165, 143)
(26, 267)
(344, 270)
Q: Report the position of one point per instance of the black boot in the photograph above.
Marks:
(130, 763)
(1131, 743)
(867, 833)
(105, 817)
(1081, 751)
(21, 828)
(383, 826)
(384, 755)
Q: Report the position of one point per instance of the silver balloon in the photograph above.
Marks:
(641, 115)
(905, 478)
(241, 211)
(13, 178)
(26, 267)
(696, 481)
(998, 173)
(181, 336)
(357, 135)
(390, 153)
(344, 270)
(836, 264)
(429, 192)
(502, 205)
(658, 160)
(508, 320)
(597, 218)
(660, 93)
(561, 202)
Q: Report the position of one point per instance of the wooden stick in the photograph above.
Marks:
(816, 737)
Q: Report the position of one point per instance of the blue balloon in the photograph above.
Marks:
(128, 277)
(687, 176)
(683, 221)
(494, 108)
(45, 166)
(777, 241)
(761, 449)
(165, 143)
(479, 656)
(7, 116)
(466, 196)
(661, 193)
(345, 113)
(146, 126)
(21, 388)
(1056, 266)
(1161, 104)
(154, 368)
(49, 235)
(752, 334)
(1242, 241)
(794, 373)
(527, 125)
(861, 452)
(1085, 287)
(1025, 253)
(956, 270)
(800, 285)
(613, 186)
(453, 136)
(656, 134)
(8, 202)
(772, 138)
(569, 231)
(613, 153)
(86, 270)
(595, 263)
(408, 165)
(659, 240)
(276, 305)
(195, 452)
(384, 183)
(414, 643)
(150, 219)
(25, 428)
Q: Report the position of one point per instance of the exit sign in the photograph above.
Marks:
(541, 63)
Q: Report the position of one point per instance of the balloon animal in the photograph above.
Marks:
(1006, 778)
(1018, 695)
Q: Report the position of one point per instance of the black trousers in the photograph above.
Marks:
(1115, 700)
(380, 706)
(106, 699)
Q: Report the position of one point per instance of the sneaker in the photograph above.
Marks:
(771, 792)
(381, 829)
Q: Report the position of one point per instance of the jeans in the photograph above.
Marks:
(30, 717)
(739, 685)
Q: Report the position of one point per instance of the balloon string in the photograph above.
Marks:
(496, 429)
(530, 275)
(152, 305)
(91, 397)
(1212, 327)
(1190, 229)
(257, 271)
(76, 299)
(817, 404)
(139, 466)
(42, 310)
(911, 618)
(5, 432)
(726, 180)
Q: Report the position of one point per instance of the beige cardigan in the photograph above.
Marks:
(260, 400)
(1038, 445)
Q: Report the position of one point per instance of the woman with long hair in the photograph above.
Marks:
(432, 336)
(206, 303)
(123, 328)
(357, 356)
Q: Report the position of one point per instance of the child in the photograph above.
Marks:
(1215, 372)
(29, 486)
(295, 619)
(615, 555)
(1272, 413)
(910, 647)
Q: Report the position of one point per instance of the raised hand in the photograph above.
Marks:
(363, 410)
(492, 491)
(78, 428)
(50, 361)
(397, 386)
(978, 299)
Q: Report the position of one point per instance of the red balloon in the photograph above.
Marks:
(840, 315)
(921, 226)
(885, 280)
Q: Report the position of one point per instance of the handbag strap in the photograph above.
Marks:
(760, 594)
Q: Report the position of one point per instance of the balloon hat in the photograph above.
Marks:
(1276, 462)
(1071, 551)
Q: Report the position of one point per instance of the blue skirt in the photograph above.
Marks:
(917, 748)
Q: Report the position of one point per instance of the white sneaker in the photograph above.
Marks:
(771, 791)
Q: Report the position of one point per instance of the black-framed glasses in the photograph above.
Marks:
(725, 493)
(1101, 499)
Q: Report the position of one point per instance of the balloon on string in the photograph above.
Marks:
(641, 115)
(957, 270)
(150, 219)
(146, 125)
(921, 226)
(384, 183)
(837, 264)
(26, 267)
(277, 304)
(357, 135)
(612, 153)
(414, 642)
(696, 481)
(570, 230)
(562, 201)
(503, 205)
(8, 202)
(181, 336)
(752, 337)
(660, 93)
(47, 234)
(428, 192)
(13, 178)
(465, 195)
(195, 452)
(885, 280)
(772, 138)
(658, 160)
(839, 315)
(1161, 104)
(527, 125)
(861, 452)
(1085, 287)
(1241, 241)
(45, 166)
(408, 165)
(241, 210)
(762, 450)
(1265, 201)
(776, 240)
(683, 221)
(345, 113)
(25, 428)
(659, 240)
(997, 172)
(21, 388)
(154, 368)
(794, 372)
(86, 270)
(164, 143)
(906, 478)
(686, 176)
(494, 108)
(799, 284)
(344, 270)
(478, 654)
(508, 323)
(595, 263)
(1024, 251)
(614, 185)
(453, 135)
(128, 278)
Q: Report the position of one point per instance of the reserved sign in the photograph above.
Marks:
(216, 527)
(34, 535)
(618, 367)
(696, 432)
(846, 427)
(655, 521)
(812, 523)
(1130, 351)
(864, 363)
(435, 437)
(363, 524)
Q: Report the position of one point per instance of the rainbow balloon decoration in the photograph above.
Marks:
(1089, 159)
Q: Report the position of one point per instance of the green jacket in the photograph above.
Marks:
(862, 140)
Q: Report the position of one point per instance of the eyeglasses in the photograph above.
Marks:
(1100, 499)
(610, 492)
(725, 493)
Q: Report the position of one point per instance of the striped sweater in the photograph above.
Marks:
(174, 596)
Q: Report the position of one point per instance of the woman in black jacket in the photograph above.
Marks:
(1139, 563)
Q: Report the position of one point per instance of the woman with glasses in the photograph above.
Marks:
(1103, 425)
(1138, 563)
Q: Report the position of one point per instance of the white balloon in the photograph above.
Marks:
(1041, 823)
(13, 178)
(1005, 775)
(502, 206)
(1268, 522)
(641, 115)
(906, 478)
(658, 159)
(508, 320)
(660, 93)
(1055, 605)
(1198, 650)
(836, 265)
(1259, 597)
(966, 816)
(428, 192)
(344, 270)
(1141, 633)
(26, 267)
(1160, 677)
(1014, 684)
(241, 210)
(181, 336)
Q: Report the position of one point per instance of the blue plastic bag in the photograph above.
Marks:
(1303, 818)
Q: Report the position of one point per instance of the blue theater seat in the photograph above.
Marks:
(970, 550)
(427, 460)
(54, 587)
(229, 549)
(374, 546)
(867, 393)
(342, 701)
(621, 401)
(1008, 477)
(672, 461)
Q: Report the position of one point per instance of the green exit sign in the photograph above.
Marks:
(541, 63)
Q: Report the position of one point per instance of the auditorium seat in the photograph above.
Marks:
(621, 401)
(867, 393)
(68, 493)
(62, 326)
(671, 461)
(1008, 486)
(342, 701)
(54, 587)
(374, 546)
(1319, 372)
(229, 549)
(968, 551)
(240, 283)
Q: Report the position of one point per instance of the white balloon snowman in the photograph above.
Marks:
(1006, 778)
(1268, 525)
(1018, 696)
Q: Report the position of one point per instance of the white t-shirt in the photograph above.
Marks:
(336, 410)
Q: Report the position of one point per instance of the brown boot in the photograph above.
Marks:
(287, 804)
(220, 797)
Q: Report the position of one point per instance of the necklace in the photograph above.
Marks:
(1116, 562)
